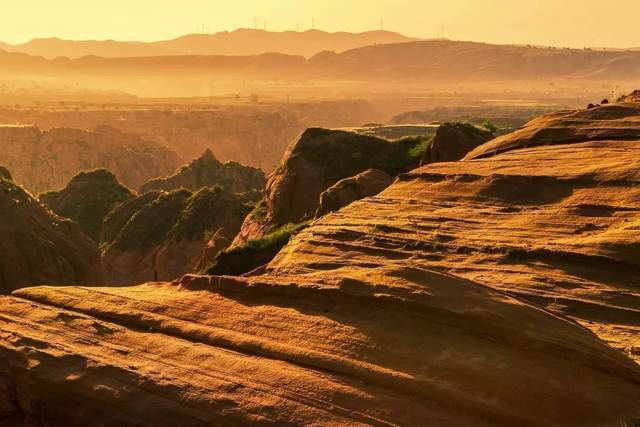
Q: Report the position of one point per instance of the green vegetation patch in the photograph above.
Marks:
(88, 199)
(277, 238)
(406, 154)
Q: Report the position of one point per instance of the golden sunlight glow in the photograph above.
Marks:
(575, 23)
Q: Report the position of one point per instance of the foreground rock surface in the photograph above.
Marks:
(38, 247)
(412, 307)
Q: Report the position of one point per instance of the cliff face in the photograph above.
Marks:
(453, 141)
(44, 161)
(207, 171)
(412, 307)
(348, 190)
(37, 247)
(161, 236)
(87, 199)
(315, 162)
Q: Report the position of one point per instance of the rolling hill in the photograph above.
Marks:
(238, 42)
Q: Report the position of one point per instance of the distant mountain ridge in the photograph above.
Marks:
(429, 60)
(239, 42)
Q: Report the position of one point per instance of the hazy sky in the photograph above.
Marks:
(575, 23)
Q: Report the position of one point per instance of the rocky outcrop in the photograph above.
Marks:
(473, 293)
(207, 171)
(39, 248)
(46, 160)
(348, 190)
(556, 225)
(453, 141)
(87, 199)
(606, 122)
(316, 161)
(163, 235)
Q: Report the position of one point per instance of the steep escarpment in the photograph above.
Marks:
(453, 141)
(453, 297)
(163, 235)
(207, 171)
(46, 160)
(316, 161)
(38, 247)
(87, 199)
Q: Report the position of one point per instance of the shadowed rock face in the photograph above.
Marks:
(315, 162)
(44, 161)
(207, 171)
(454, 141)
(348, 190)
(161, 236)
(38, 247)
(412, 307)
(87, 199)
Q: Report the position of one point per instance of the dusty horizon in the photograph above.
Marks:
(542, 22)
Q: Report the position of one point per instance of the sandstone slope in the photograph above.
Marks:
(87, 199)
(163, 235)
(46, 160)
(207, 171)
(412, 307)
(38, 247)
(556, 224)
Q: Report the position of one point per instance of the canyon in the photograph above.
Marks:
(498, 289)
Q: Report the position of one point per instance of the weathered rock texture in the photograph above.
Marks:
(87, 199)
(453, 141)
(207, 171)
(608, 122)
(161, 236)
(348, 190)
(412, 307)
(554, 224)
(316, 161)
(38, 247)
(46, 160)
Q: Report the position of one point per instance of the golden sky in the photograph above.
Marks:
(575, 23)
